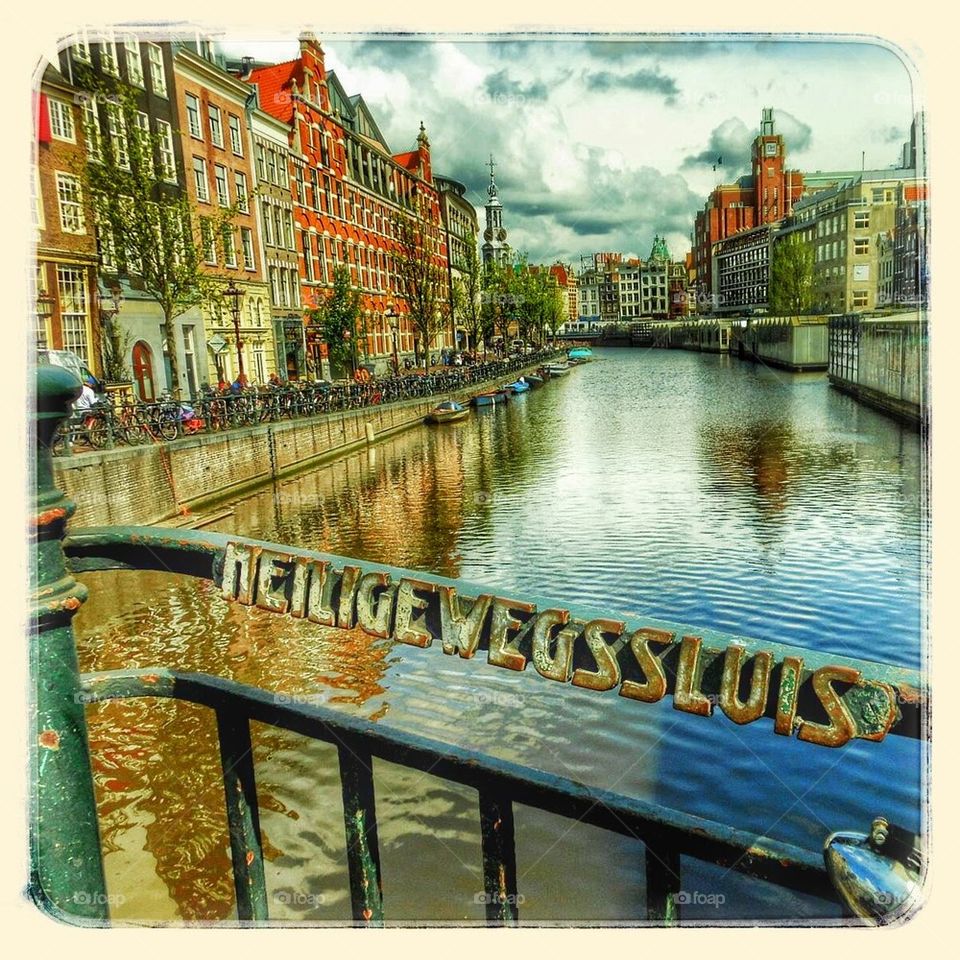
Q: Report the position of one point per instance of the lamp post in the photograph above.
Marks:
(44, 313)
(236, 296)
(109, 305)
(393, 318)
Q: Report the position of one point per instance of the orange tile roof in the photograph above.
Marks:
(409, 160)
(274, 84)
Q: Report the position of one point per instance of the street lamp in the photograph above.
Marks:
(109, 305)
(393, 318)
(44, 312)
(236, 297)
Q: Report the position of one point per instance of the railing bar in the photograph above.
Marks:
(360, 824)
(499, 856)
(243, 818)
(766, 859)
(663, 885)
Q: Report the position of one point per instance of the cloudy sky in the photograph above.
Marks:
(600, 143)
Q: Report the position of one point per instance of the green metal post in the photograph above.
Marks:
(66, 867)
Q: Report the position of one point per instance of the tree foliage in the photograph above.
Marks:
(421, 273)
(791, 287)
(146, 229)
(468, 295)
(337, 318)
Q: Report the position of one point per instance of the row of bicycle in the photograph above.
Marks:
(107, 424)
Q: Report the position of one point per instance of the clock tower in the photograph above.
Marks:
(495, 248)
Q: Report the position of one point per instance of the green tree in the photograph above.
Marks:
(468, 294)
(337, 318)
(147, 232)
(791, 290)
(421, 273)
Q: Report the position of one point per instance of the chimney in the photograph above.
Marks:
(246, 67)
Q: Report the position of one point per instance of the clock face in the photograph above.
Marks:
(488, 234)
(501, 234)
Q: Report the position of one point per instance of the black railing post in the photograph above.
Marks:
(66, 870)
(360, 823)
(663, 885)
(499, 857)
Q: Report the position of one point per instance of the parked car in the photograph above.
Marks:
(70, 361)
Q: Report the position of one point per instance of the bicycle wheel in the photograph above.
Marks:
(97, 433)
(169, 428)
(58, 443)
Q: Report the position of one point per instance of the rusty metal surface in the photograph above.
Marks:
(823, 699)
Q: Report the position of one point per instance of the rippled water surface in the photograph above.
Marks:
(685, 487)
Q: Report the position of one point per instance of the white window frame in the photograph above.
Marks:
(91, 130)
(236, 134)
(200, 182)
(240, 188)
(229, 249)
(267, 223)
(70, 203)
(134, 62)
(168, 156)
(208, 241)
(75, 322)
(223, 195)
(194, 122)
(81, 49)
(117, 131)
(146, 141)
(108, 57)
(246, 245)
(62, 126)
(158, 76)
(215, 119)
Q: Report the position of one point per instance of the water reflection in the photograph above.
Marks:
(690, 488)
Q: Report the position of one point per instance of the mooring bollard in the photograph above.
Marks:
(66, 867)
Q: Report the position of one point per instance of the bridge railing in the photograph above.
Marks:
(413, 608)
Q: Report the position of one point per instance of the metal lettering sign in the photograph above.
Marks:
(821, 699)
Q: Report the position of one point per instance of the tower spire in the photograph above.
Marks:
(492, 188)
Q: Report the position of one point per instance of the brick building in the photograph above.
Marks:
(460, 227)
(347, 189)
(66, 280)
(766, 195)
(216, 145)
(910, 266)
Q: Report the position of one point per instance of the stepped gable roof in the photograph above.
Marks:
(274, 83)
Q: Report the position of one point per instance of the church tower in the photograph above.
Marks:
(495, 248)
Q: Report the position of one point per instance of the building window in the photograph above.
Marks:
(274, 287)
(134, 63)
(223, 190)
(108, 57)
(158, 79)
(229, 247)
(236, 139)
(61, 120)
(70, 199)
(246, 239)
(307, 258)
(861, 219)
(260, 362)
(72, 290)
(200, 180)
(861, 246)
(91, 129)
(261, 165)
(206, 238)
(267, 224)
(240, 181)
(105, 244)
(116, 128)
(81, 50)
(271, 166)
(168, 161)
(282, 170)
(144, 142)
(216, 126)
(193, 116)
(288, 229)
(860, 298)
(294, 288)
(285, 287)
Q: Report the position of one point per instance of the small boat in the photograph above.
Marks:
(485, 399)
(579, 354)
(447, 412)
(504, 393)
(534, 381)
(559, 369)
(519, 386)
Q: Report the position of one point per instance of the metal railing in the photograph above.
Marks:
(878, 700)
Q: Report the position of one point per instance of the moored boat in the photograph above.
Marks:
(447, 412)
(485, 399)
(534, 380)
(579, 354)
(558, 369)
(519, 386)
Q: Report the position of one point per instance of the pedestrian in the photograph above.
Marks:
(87, 396)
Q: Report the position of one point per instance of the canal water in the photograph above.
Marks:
(692, 488)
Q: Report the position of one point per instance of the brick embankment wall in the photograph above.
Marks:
(150, 483)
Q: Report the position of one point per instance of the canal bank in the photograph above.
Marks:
(152, 484)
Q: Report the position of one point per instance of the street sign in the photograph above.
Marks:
(216, 343)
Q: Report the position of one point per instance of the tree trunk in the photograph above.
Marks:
(170, 338)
